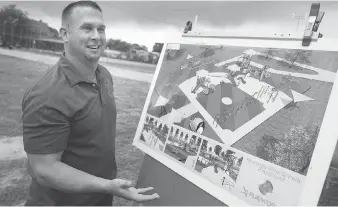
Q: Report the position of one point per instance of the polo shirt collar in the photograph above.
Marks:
(74, 75)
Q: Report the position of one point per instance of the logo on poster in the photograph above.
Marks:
(258, 198)
(266, 187)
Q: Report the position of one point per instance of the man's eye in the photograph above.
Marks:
(87, 28)
(101, 29)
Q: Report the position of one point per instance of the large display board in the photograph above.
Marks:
(244, 122)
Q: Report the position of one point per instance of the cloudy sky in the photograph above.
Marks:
(148, 22)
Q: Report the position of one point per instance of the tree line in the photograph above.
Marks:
(11, 12)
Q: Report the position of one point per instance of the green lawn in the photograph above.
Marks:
(15, 76)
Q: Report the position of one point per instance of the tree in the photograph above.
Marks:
(210, 149)
(181, 136)
(157, 47)
(193, 139)
(217, 150)
(222, 155)
(186, 138)
(160, 127)
(270, 52)
(177, 132)
(12, 12)
(301, 56)
(206, 51)
(143, 47)
(165, 129)
(199, 141)
(118, 45)
(229, 159)
(294, 152)
(239, 161)
(174, 54)
(151, 121)
(204, 145)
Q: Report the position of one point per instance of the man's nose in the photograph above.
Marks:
(95, 34)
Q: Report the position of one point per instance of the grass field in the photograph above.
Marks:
(122, 64)
(15, 76)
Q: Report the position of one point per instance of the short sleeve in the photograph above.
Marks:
(45, 129)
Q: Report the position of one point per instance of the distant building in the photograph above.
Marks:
(116, 54)
(31, 34)
(138, 54)
(112, 53)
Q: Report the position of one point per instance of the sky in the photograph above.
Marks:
(147, 22)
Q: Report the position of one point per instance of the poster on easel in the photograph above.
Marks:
(240, 121)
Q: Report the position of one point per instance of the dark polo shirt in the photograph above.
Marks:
(64, 111)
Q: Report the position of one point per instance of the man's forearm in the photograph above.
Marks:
(65, 178)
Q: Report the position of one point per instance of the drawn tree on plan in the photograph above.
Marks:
(210, 155)
(229, 160)
(171, 131)
(222, 155)
(181, 136)
(204, 145)
(151, 121)
(193, 139)
(294, 151)
(199, 141)
(270, 52)
(174, 54)
(165, 129)
(300, 56)
(186, 138)
(239, 161)
(177, 132)
(218, 150)
(160, 127)
(207, 51)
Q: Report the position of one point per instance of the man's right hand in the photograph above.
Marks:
(124, 189)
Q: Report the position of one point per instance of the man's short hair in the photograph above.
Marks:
(67, 11)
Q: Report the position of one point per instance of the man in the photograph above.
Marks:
(69, 121)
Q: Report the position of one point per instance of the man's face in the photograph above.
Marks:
(86, 33)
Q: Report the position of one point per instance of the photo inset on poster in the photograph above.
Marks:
(258, 112)
(183, 145)
(154, 132)
(218, 164)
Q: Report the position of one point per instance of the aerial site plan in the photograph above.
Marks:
(244, 119)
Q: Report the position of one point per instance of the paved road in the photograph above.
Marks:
(51, 60)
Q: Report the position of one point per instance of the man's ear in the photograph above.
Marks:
(64, 34)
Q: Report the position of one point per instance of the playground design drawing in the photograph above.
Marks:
(210, 104)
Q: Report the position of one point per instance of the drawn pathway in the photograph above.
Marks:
(176, 116)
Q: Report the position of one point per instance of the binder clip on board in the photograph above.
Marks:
(315, 18)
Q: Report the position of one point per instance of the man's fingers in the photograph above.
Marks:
(144, 198)
(144, 190)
